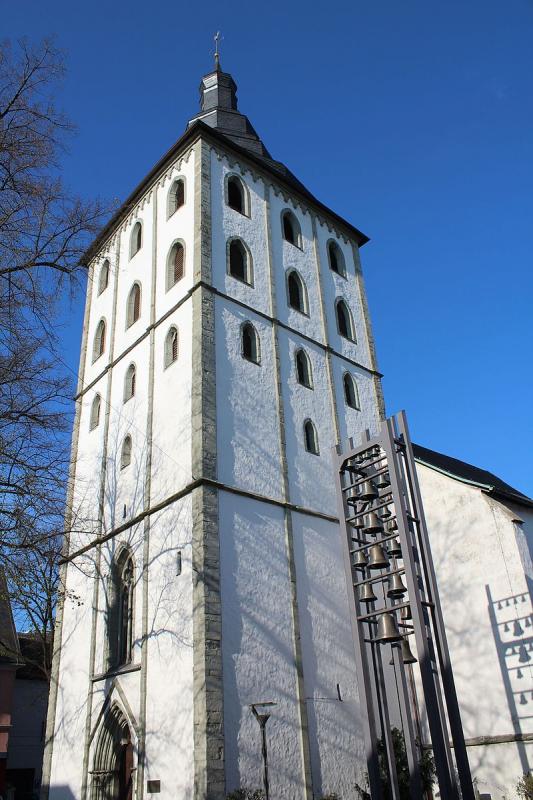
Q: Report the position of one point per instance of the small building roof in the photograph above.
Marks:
(467, 473)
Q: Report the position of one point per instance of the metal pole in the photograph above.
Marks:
(263, 721)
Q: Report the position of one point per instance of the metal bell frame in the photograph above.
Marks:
(385, 463)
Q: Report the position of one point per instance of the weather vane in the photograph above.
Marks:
(217, 37)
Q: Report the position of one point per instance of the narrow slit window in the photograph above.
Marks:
(296, 292)
(176, 196)
(125, 456)
(250, 343)
(103, 277)
(310, 437)
(336, 259)
(345, 321)
(129, 383)
(120, 611)
(351, 392)
(175, 264)
(236, 194)
(95, 412)
(136, 240)
(99, 340)
(134, 304)
(171, 346)
(239, 261)
(291, 228)
(303, 369)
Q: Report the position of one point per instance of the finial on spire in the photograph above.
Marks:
(217, 37)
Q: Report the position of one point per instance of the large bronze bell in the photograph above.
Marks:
(367, 491)
(407, 655)
(393, 548)
(366, 593)
(396, 587)
(359, 560)
(387, 629)
(382, 481)
(372, 523)
(377, 558)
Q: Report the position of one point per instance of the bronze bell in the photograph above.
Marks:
(396, 587)
(351, 496)
(387, 629)
(407, 655)
(377, 558)
(366, 593)
(372, 523)
(367, 491)
(386, 512)
(359, 560)
(406, 613)
(382, 481)
(393, 548)
(392, 525)
(357, 522)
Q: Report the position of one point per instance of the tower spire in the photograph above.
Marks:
(217, 37)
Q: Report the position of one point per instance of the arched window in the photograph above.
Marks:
(351, 392)
(303, 369)
(176, 196)
(310, 437)
(291, 228)
(125, 455)
(336, 258)
(175, 264)
(250, 347)
(95, 413)
(103, 277)
(240, 261)
(171, 346)
(134, 305)
(136, 239)
(112, 773)
(99, 340)
(237, 195)
(296, 292)
(129, 383)
(344, 321)
(120, 610)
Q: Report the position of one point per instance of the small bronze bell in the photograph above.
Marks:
(359, 560)
(387, 629)
(407, 655)
(406, 614)
(393, 548)
(396, 587)
(357, 522)
(366, 593)
(392, 525)
(382, 481)
(385, 512)
(367, 491)
(372, 523)
(351, 496)
(377, 558)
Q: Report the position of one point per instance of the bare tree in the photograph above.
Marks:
(44, 231)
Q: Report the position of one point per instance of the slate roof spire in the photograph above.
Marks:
(218, 104)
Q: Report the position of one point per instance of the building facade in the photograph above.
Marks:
(226, 348)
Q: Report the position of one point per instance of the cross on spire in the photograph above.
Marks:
(217, 38)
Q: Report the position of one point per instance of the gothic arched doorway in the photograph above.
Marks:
(113, 759)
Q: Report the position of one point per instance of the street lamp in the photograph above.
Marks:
(262, 720)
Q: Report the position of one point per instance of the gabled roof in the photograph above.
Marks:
(486, 481)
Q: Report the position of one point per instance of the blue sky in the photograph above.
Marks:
(412, 120)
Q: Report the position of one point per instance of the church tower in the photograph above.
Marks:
(226, 348)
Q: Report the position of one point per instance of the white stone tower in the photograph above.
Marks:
(226, 348)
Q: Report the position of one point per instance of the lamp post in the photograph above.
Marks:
(262, 720)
